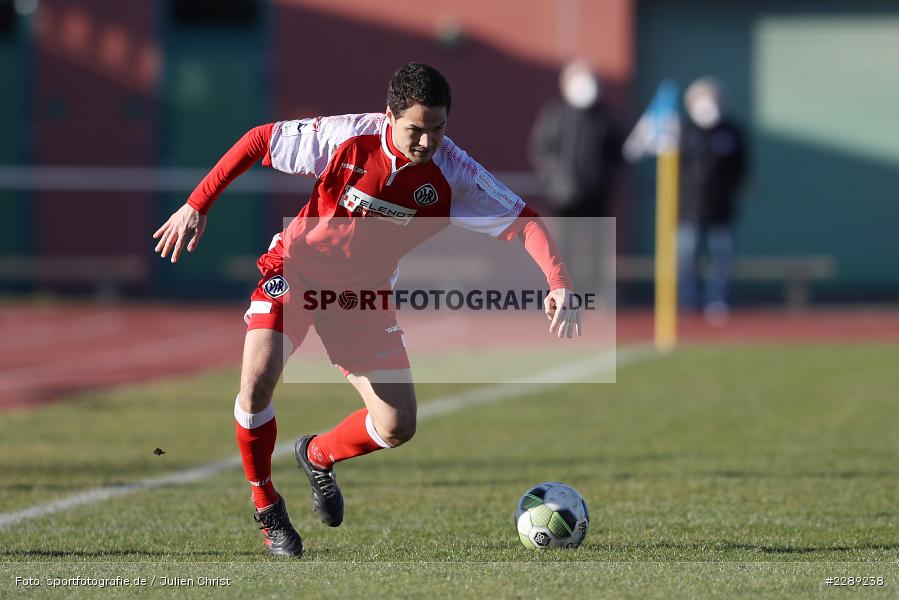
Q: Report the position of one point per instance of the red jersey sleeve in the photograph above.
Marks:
(242, 155)
(538, 242)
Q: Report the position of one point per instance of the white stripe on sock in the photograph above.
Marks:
(253, 420)
(373, 434)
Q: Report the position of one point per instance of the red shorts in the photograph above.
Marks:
(356, 340)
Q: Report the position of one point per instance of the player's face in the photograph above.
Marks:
(418, 131)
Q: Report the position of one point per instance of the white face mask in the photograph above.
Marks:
(704, 111)
(581, 90)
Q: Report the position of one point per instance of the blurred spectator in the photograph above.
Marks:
(575, 149)
(574, 146)
(713, 166)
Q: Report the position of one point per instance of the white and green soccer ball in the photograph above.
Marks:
(552, 515)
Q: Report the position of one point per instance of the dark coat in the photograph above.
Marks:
(713, 166)
(574, 151)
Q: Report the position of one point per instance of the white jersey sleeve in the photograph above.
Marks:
(480, 202)
(305, 146)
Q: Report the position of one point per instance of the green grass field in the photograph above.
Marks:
(718, 471)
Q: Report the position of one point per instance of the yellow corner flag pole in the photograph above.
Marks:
(667, 165)
(658, 133)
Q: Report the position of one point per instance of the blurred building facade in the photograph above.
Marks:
(173, 83)
(813, 83)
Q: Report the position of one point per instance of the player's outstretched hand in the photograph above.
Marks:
(560, 309)
(184, 224)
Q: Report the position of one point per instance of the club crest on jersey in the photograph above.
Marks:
(426, 195)
(276, 286)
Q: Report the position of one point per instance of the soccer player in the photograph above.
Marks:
(384, 184)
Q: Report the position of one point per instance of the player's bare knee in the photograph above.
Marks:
(255, 393)
(399, 431)
(262, 365)
(402, 435)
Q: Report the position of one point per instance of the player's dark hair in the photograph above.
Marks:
(419, 83)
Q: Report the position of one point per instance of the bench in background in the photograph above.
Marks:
(106, 273)
(797, 273)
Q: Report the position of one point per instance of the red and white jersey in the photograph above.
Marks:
(370, 205)
(381, 205)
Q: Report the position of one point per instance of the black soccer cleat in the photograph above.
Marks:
(281, 539)
(327, 500)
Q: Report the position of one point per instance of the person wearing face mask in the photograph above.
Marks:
(713, 167)
(574, 150)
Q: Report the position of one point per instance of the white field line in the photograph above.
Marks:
(572, 373)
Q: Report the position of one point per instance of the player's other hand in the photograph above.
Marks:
(184, 224)
(562, 311)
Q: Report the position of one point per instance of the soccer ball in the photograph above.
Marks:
(552, 515)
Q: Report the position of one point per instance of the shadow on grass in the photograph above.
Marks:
(750, 475)
(88, 471)
(516, 463)
(728, 474)
(126, 553)
(724, 545)
(32, 487)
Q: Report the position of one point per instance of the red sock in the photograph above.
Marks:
(352, 437)
(256, 447)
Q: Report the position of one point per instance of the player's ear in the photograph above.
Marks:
(390, 118)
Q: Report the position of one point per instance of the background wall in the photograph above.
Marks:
(172, 84)
(816, 85)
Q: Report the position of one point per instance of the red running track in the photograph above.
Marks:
(48, 352)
